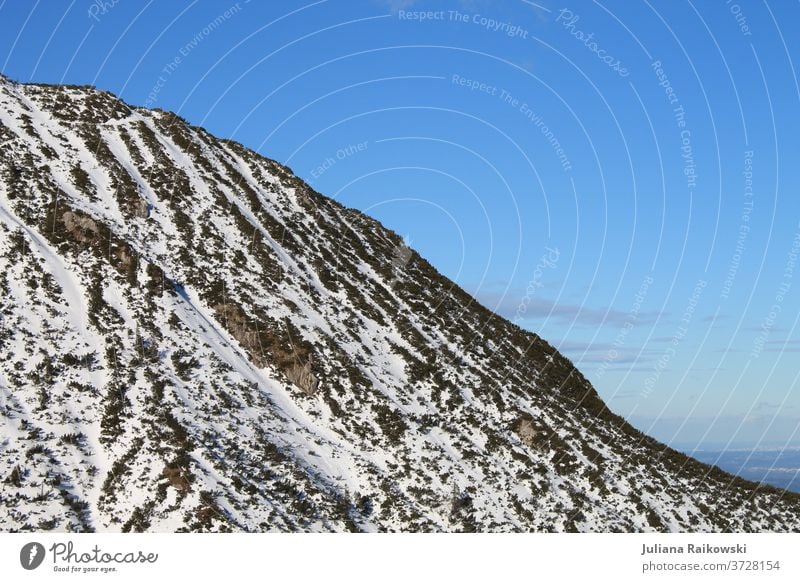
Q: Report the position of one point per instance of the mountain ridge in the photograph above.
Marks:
(198, 340)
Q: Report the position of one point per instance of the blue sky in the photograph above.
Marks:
(620, 177)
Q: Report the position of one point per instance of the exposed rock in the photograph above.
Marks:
(141, 208)
(264, 348)
(176, 478)
(82, 228)
(303, 377)
(526, 432)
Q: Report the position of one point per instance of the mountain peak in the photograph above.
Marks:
(200, 341)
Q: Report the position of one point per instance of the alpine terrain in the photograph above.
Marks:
(192, 339)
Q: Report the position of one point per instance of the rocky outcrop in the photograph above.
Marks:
(302, 376)
(80, 227)
(265, 347)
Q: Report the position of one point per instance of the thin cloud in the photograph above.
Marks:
(765, 406)
(599, 352)
(515, 307)
(601, 357)
(759, 328)
(712, 318)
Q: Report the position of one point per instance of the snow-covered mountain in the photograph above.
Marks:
(191, 338)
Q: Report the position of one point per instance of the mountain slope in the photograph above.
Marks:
(194, 339)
